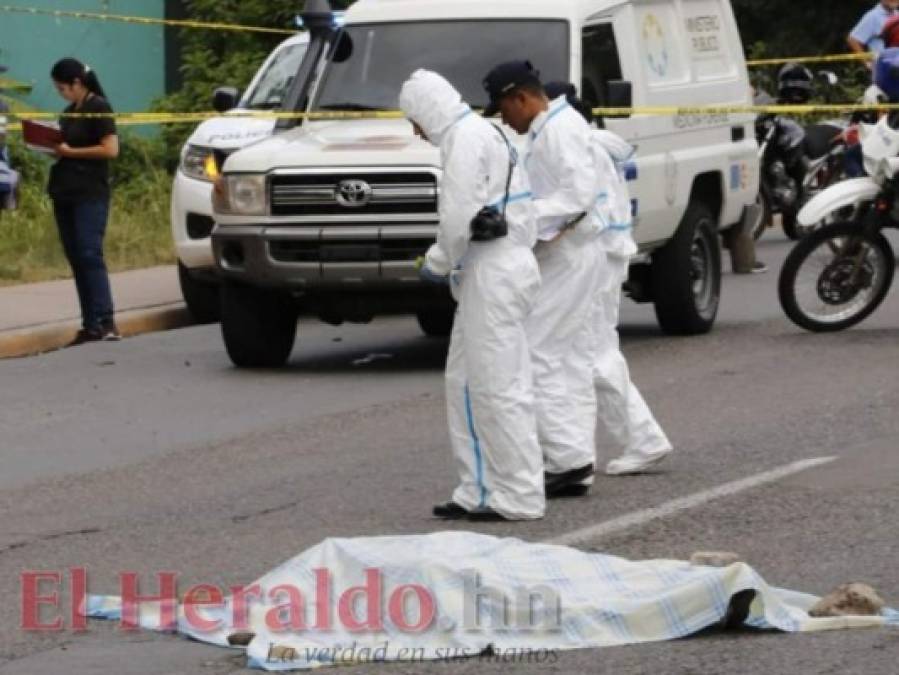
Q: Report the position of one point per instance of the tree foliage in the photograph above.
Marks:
(212, 58)
(781, 28)
(797, 27)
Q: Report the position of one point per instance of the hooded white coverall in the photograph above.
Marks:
(564, 181)
(489, 393)
(626, 424)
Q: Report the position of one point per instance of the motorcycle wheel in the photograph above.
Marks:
(836, 277)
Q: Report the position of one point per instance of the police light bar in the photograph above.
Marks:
(339, 20)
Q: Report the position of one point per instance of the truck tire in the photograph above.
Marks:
(436, 322)
(258, 326)
(201, 297)
(686, 275)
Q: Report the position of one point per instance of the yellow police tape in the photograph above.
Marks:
(154, 118)
(142, 20)
(834, 58)
(209, 25)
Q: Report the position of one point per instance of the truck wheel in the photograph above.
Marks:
(258, 326)
(201, 297)
(436, 322)
(686, 275)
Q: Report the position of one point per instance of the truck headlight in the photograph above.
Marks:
(200, 163)
(241, 194)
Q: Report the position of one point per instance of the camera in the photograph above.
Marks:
(488, 224)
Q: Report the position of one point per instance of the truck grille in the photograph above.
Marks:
(351, 194)
(373, 251)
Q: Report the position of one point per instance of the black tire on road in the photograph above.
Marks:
(201, 297)
(436, 322)
(686, 275)
(787, 283)
(259, 326)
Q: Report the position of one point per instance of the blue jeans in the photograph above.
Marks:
(82, 226)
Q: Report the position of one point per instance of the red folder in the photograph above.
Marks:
(41, 135)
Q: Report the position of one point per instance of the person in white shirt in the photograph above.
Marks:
(868, 32)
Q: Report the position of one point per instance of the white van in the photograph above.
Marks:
(329, 217)
(201, 161)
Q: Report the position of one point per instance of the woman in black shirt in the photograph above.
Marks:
(79, 188)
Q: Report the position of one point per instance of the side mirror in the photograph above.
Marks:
(619, 94)
(343, 48)
(225, 99)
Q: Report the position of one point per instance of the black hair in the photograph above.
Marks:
(67, 70)
(533, 88)
(569, 91)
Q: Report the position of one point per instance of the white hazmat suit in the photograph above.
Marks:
(564, 182)
(490, 403)
(626, 424)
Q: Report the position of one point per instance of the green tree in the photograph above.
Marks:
(779, 28)
(798, 27)
(212, 58)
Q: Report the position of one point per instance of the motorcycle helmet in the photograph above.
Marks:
(890, 33)
(794, 84)
(886, 73)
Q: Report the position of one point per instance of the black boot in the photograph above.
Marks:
(449, 511)
(568, 483)
(485, 514)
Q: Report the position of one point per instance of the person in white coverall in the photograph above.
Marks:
(490, 401)
(564, 181)
(626, 419)
(626, 425)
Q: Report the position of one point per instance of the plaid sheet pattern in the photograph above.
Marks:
(480, 585)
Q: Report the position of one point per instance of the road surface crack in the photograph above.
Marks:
(49, 537)
(264, 512)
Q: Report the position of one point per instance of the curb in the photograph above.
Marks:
(48, 338)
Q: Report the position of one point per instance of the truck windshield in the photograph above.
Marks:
(269, 90)
(382, 56)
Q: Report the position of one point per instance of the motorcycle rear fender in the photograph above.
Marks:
(836, 197)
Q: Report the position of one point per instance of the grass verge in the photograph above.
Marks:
(138, 234)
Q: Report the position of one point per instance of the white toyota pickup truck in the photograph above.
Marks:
(202, 158)
(328, 217)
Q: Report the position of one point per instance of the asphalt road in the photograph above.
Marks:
(154, 454)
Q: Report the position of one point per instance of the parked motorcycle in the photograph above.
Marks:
(840, 273)
(796, 162)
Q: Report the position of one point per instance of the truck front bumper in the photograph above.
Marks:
(298, 258)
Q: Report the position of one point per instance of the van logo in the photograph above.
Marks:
(353, 194)
(656, 45)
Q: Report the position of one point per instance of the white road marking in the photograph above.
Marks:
(591, 534)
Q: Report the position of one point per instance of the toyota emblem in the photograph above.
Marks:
(353, 194)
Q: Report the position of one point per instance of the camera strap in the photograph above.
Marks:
(512, 163)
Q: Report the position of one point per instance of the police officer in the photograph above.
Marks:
(565, 186)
